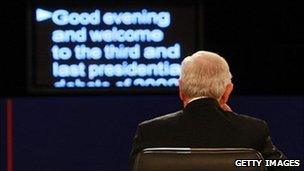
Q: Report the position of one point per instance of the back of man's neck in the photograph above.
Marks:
(195, 98)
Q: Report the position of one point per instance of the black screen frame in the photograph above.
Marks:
(34, 89)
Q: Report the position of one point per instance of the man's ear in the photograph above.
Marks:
(225, 96)
(181, 94)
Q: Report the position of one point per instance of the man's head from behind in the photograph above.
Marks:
(205, 74)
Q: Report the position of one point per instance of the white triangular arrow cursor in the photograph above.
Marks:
(43, 14)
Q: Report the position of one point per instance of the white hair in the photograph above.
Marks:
(204, 74)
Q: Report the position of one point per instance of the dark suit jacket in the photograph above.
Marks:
(202, 123)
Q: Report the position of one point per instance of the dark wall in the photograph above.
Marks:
(81, 133)
(95, 133)
(2, 135)
(261, 40)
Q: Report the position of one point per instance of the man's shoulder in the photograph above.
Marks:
(250, 118)
(164, 119)
(248, 121)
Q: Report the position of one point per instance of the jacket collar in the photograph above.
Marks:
(196, 106)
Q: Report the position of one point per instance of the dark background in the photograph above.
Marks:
(261, 41)
(95, 133)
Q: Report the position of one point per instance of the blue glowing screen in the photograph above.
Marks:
(116, 47)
